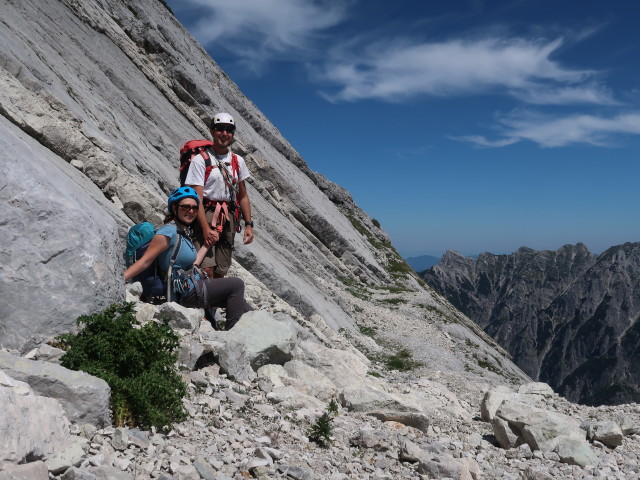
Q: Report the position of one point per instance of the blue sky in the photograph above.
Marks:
(466, 125)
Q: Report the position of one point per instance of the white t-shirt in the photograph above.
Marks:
(215, 188)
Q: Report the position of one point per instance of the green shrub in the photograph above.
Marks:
(402, 361)
(137, 362)
(368, 331)
(322, 430)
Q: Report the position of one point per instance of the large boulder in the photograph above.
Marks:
(539, 428)
(267, 340)
(343, 368)
(31, 427)
(576, 451)
(607, 432)
(85, 398)
(61, 241)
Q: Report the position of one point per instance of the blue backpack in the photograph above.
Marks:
(138, 239)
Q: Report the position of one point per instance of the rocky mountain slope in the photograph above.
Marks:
(568, 317)
(97, 98)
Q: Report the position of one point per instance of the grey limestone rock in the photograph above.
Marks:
(507, 435)
(71, 456)
(30, 471)
(449, 467)
(205, 470)
(492, 399)
(539, 428)
(31, 427)
(411, 452)
(626, 424)
(575, 451)
(235, 361)
(266, 340)
(47, 353)
(606, 432)
(85, 398)
(297, 473)
(343, 368)
(106, 472)
(179, 317)
(536, 388)
(38, 204)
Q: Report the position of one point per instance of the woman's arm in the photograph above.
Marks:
(159, 243)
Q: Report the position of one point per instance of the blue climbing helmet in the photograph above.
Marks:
(180, 193)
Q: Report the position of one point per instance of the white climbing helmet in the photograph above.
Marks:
(223, 117)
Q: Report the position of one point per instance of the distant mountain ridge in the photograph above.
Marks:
(568, 317)
(422, 262)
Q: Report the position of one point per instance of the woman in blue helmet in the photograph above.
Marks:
(171, 241)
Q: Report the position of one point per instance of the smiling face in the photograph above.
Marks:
(186, 211)
(222, 134)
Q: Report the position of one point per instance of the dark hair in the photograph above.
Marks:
(169, 216)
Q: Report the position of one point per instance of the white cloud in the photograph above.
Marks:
(256, 31)
(549, 131)
(402, 69)
(589, 94)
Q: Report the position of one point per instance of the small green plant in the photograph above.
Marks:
(375, 222)
(322, 430)
(402, 361)
(137, 362)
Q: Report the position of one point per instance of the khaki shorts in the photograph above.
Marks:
(219, 256)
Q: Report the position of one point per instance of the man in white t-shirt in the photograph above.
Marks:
(220, 196)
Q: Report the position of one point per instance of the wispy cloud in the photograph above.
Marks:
(548, 131)
(403, 69)
(258, 31)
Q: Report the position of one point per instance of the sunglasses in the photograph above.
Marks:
(224, 128)
(188, 208)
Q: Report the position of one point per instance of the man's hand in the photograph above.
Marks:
(211, 236)
(248, 234)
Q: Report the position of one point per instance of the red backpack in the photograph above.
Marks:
(195, 147)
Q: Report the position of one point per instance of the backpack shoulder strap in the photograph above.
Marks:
(235, 165)
(207, 164)
(174, 256)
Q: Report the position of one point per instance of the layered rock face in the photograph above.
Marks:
(568, 317)
(97, 97)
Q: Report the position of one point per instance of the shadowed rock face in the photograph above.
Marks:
(568, 317)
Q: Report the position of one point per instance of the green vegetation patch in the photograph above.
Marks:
(393, 301)
(138, 363)
(402, 361)
(487, 365)
(368, 331)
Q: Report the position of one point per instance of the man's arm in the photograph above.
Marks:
(245, 208)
